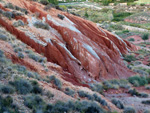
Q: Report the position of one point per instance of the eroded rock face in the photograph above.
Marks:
(79, 46)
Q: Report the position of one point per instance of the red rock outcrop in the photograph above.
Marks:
(79, 46)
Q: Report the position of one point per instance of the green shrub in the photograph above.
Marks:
(83, 94)
(98, 87)
(120, 16)
(20, 55)
(131, 39)
(56, 81)
(147, 102)
(3, 37)
(17, 49)
(1, 53)
(22, 86)
(18, 23)
(70, 92)
(34, 102)
(145, 36)
(7, 89)
(78, 106)
(8, 14)
(129, 110)
(40, 24)
(117, 103)
(49, 94)
(147, 87)
(6, 105)
(139, 79)
(36, 58)
(129, 58)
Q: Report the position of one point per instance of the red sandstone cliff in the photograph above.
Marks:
(79, 46)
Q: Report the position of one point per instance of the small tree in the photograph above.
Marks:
(145, 36)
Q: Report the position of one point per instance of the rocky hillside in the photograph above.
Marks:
(49, 59)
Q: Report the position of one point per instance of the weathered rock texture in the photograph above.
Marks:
(79, 46)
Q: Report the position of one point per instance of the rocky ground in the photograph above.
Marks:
(54, 62)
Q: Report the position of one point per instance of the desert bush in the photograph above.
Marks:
(78, 106)
(131, 39)
(1, 53)
(7, 89)
(3, 37)
(6, 105)
(136, 93)
(30, 74)
(18, 23)
(36, 88)
(147, 87)
(20, 55)
(129, 110)
(97, 98)
(56, 81)
(17, 49)
(63, 7)
(129, 58)
(8, 14)
(139, 79)
(120, 16)
(143, 95)
(147, 102)
(83, 94)
(42, 25)
(133, 92)
(60, 16)
(70, 92)
(34, 102)
(98, 87)
(117, 103)
(49, 94)
(147, 111)
(145, 36)
(9, 5)
(22, 86)
(36, 58)
(44, 2)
